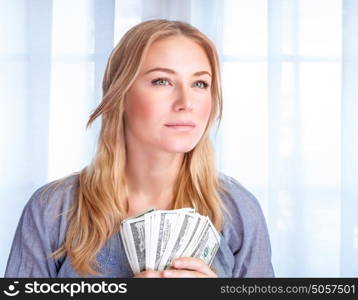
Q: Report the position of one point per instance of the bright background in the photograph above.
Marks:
(289, 132)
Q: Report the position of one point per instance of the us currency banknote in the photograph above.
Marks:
(154, 238)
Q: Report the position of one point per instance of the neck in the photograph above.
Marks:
(151, 179)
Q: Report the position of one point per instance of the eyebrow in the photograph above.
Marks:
(173, 72)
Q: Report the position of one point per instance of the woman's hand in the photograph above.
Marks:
(181, 267)
(189, 267)
(149, 274)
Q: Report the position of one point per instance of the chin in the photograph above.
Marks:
(180, 148)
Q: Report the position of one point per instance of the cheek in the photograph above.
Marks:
(205, 110)
(139, 107)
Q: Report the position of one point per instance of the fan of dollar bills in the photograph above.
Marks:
(153, 239)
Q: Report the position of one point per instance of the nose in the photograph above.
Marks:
(184, 98)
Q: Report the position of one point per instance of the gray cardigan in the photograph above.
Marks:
(244, 251)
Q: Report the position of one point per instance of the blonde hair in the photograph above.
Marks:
(102, 195)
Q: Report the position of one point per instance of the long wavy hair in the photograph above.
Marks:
(101, 199)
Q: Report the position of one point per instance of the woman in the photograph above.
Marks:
(161, 95)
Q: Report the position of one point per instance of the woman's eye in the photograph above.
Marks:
(202, 84)
(160, 81)
(165, 82)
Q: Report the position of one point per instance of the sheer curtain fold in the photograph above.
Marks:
(166, 9)
(39, 39)
(289, 132)
(104, 20)
(349, 131)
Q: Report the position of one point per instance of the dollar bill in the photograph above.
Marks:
(185, 227)
(154, 238)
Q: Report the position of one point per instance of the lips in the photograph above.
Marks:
(186, 123)
(181, 126)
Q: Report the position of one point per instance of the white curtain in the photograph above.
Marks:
(289, 132)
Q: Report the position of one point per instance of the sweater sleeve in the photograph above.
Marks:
(254, 257)
(247, 233)
(36, 237)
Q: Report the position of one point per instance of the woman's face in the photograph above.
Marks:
(173, 87)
